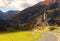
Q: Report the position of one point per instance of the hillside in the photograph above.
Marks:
(40, 14)
(30, 14)
(6, 15)
(1, 14)
(26, 15)
(10, 13)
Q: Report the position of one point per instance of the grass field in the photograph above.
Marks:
(20, 36)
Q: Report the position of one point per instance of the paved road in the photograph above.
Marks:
(57, 34)
(48, 37)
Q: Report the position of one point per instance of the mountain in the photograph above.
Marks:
(30, 14)
(1, 14)
(6, 15)
(10, 13)
(46, 11)
(24, 15)
(4, 25)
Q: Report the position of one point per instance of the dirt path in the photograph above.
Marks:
(48, 37)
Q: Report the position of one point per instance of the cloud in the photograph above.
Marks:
(22, 4)
(19, 4)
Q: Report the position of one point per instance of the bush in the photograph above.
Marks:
(52, 28)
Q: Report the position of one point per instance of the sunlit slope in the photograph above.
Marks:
(20, 36)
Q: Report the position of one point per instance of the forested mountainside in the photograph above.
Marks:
(1, 14)
(30, 14)
(46, 11)
(6, 15)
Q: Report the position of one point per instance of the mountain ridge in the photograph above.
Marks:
(35, 15)
(24, 16)
(6, 15)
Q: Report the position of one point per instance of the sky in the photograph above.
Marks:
(6, 5)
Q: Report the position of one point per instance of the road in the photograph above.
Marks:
(48, 37)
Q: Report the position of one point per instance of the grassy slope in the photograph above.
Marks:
(20, 36)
